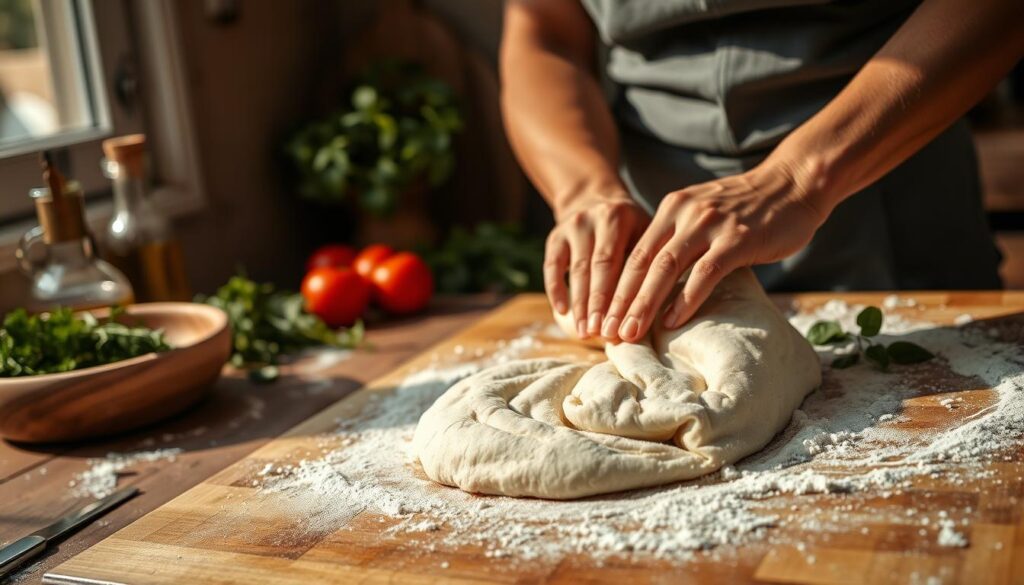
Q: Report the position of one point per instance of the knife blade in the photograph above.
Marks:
(18, 552)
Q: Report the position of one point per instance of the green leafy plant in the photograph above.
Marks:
(267, 323)
(397, 131)
(61, 341)
(491, 257)
(870, 322)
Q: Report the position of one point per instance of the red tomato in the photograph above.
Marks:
(339, 296)
(334, 255)
(371, 257)
(402, 283)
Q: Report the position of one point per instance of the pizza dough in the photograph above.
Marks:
(679, 405)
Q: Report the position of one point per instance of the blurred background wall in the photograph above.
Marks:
(258, 69)
(257, 75)
(268, 68)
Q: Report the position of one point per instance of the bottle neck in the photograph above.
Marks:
(129, 193)
(71, 253)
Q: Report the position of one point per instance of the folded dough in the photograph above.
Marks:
(677, 406)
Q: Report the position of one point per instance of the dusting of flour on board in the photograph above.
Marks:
(845, 439)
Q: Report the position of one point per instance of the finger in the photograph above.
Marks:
(581, 249)
(669, 264)
(556, 261)
(707, 272)
(610, 240)
(633, 272)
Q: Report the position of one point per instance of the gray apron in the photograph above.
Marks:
(706, 88)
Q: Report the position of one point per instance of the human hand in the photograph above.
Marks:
(756, 217)
(590, 242)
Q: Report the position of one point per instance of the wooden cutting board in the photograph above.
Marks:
(215, 532)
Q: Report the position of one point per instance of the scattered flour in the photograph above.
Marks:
(896, 301)
(100, 480)
(963, 319)
(845, 439)
(948, 536)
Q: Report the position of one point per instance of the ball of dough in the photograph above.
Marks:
(679, 405)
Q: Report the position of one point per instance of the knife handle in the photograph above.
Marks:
(15, 554)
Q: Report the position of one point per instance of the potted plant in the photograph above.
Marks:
(382, 153)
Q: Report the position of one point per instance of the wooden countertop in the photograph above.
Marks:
(227, 530)
(237, 418)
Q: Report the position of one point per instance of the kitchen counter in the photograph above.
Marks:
(235, 419)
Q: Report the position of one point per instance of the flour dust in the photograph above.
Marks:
(845, 439)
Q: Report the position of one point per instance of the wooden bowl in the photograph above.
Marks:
(116, 397)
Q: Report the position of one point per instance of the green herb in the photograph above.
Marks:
(826, 332)
(877, 355)
(397, 131)
(870, 322)
(267, 323)
(61, 341)
(492, 257)
(904, 352)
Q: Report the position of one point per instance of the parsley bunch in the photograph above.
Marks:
(266, 323)
(61, 341)
(870, 322)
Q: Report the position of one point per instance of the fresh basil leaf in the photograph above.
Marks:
(845, 361)
(877, 355)
(825, 332)
(870, 321)
(906, 352)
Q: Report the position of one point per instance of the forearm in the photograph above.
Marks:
(943, 60)
(558, 123)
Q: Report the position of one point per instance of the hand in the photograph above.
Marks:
(757, 217)
(590, 242)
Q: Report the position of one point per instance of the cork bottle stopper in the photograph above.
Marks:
(59, 205)
(63, 217)
(128, 151)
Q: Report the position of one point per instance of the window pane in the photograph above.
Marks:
(44, 74)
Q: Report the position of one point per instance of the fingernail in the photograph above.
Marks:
(629, 328)
(561, 307)
(594, 324)
(610, 327)
(581, 328)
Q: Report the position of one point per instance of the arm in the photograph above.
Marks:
(944, 58)
(564, 136)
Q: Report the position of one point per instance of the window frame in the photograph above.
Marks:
(59, 23)
(146, 36)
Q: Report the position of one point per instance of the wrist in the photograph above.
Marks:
(814, 173)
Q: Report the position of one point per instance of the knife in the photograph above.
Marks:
(15, 554)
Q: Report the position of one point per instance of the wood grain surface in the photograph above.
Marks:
(223, 531)
(235, 419)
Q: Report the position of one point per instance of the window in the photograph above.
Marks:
(73, 72)
(46, 65)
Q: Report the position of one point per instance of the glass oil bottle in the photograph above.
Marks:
(59, 256)
(139, 240)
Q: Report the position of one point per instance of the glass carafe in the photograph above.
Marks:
(59, 257)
